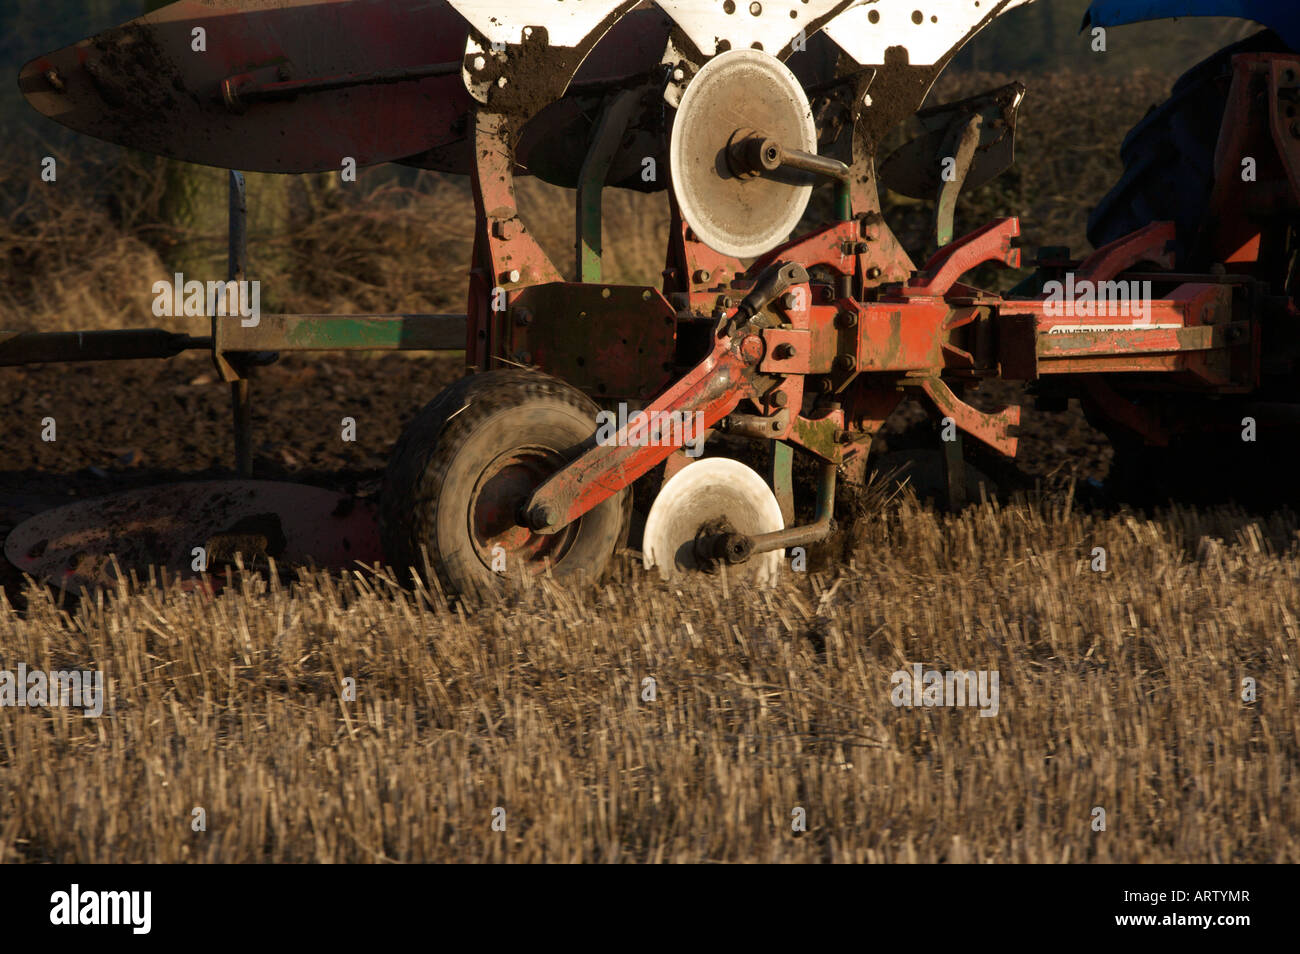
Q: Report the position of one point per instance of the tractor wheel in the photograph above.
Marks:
(468, 460)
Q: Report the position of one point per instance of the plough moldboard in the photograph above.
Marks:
(740, 110)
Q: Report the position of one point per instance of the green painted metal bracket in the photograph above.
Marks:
(344, 333)
(783, 479)
(617, 112)
(959, 146)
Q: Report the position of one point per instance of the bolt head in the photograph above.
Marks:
(780, 399)
(679, 74)
(539, 518)
(479, 62)
(701, 275)
(873, 272)
(514, 274)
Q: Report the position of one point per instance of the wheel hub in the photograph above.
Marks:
(504, 487)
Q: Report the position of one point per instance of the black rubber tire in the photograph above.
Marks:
(434, 472)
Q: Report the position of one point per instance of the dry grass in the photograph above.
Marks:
(1118, 690)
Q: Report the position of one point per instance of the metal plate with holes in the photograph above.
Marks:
(512, 21)
(926, 29)
(736, 91)
(611, 341)
(767, 25)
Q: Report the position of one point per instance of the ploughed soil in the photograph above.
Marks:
(122, 425)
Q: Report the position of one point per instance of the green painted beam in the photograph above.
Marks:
(345, 333)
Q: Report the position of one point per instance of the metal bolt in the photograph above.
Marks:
(846, 319)
(479, 63)
(783, 351)
(541, 517)
(845, 362)
(514, 274)
(523, 316)
(679, 74)
(779, 399)
(789, 300)
(860, 248)
(873, 272)
(701, 275)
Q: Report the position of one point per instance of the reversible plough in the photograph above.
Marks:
(740, 110)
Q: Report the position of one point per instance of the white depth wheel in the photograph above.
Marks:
(713, 495)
